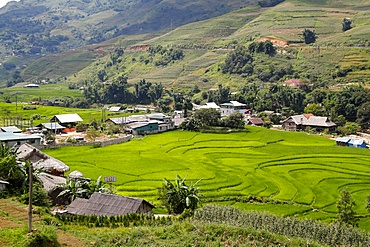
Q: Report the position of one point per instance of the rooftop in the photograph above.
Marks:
(106, 204)
(67, 118)
(9, 136)
(39, 159)
(12, 129)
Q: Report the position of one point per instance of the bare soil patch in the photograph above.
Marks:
(275, 41)
(66, 239)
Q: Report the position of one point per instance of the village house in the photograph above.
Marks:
(143, 128)
(16, 139)
(53, 169)
(304, 121)
(116, 109)
(357, 143)
(165, 122)
(101, 204)
(11, 129)
(32, 85)
(67, 120)
(52, 128)
(208, 105)
(254, 121)
(232, 107)
(41, 160)
(342, 141)
(144, 124)
(295, 83)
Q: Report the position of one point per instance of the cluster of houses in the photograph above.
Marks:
(65, 123)
(292, 123)
(226, 109)
(346, 141)
(13, 136)
(158, 122)
(145, 124)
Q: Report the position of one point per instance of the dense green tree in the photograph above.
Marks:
(315, 109)
(142, 91)
(191, 124)
(101, 75)
(363, 115)
(346, 24)
(350, 128)
(9, 65)
(269, 3)
(345, 205)
(208, 117)
(235, 121)
(238, 61)
(309, 36)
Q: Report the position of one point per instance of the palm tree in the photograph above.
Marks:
(178, 196)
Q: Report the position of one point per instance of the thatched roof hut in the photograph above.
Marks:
(41, 160)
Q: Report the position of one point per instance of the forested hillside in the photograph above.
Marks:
(250, 53)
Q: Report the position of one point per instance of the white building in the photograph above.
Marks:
(231, 107)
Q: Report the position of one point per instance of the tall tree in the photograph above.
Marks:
(208, 117)
(346, 24)
(345, 205)
(309, 36)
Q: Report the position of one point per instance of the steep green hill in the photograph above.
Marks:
(32, 28)
(336, 57)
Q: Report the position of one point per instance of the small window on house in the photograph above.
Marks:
(18, 143)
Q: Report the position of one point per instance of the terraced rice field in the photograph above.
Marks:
(303, 171)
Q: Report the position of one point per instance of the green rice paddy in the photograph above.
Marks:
(301, 171)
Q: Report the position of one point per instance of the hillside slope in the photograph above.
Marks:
(336, 57)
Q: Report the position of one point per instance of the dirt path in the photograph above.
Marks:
(67, 239)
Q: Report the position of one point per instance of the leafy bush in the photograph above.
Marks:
(46, 236)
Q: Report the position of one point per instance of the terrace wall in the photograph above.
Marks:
(96, 143)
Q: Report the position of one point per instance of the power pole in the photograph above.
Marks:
(30, 178)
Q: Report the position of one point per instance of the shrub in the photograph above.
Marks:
(44, 237)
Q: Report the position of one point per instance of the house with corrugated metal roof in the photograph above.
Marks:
(67, 120)
(302, 122)
(342, 141)
(116, 109)
(165, 122)
(11, 129)
(54, 128)
(143, 128)
(357, 143)
(14, 139)
(101, 204)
